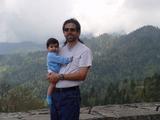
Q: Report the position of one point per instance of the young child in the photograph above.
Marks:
(54, 62)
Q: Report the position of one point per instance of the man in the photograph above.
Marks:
(66, 97)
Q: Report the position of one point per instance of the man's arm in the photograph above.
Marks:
(75, 76)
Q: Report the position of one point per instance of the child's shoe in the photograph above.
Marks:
(49, 100)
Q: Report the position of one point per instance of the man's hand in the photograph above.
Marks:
(53, 77)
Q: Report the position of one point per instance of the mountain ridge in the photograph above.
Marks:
(123, 68)
(20, 47)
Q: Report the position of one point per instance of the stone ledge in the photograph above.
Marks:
(137, 111)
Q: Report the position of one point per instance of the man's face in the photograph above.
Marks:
(70, 32)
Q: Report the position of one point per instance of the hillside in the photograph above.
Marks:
(124, 68)
(22, 47)
(132, 56)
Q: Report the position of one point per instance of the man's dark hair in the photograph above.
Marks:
(78, 27)
(74, 21)
(52, 41)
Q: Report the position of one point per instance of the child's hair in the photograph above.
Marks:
(52, 41)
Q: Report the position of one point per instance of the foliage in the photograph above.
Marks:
(123, 71)
(20, 99)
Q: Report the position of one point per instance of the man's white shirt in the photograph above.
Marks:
(82, 57)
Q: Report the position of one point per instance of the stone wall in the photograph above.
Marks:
(138, 111)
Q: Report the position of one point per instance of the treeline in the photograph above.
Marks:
(23, 83)
(18, 99)
(122, 72)
(124, 91)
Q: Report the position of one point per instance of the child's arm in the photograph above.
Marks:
(59, 59)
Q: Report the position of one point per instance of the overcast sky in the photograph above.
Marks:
(37, 20)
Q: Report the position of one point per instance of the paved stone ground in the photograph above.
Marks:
(140, 111)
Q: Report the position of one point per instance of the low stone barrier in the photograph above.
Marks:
(137, 111)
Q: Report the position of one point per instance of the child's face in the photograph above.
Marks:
(53, 48)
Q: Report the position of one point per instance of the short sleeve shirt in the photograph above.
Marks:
(82, 57)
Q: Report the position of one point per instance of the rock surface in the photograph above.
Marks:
(139, 111)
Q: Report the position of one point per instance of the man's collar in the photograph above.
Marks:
(71, 45)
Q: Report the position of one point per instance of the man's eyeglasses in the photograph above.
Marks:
(70, 29)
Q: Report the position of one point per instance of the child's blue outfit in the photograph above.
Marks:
(54, 62)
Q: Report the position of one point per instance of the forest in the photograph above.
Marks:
(126, 69)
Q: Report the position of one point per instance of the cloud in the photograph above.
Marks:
(37, 20)
(137, 13)
(98, 17)
(32, 20)
(117, 15)
(142, 5)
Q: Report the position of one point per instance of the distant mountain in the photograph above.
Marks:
(147, 35)
(134, 56)
(131, 56)
(10, 48)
